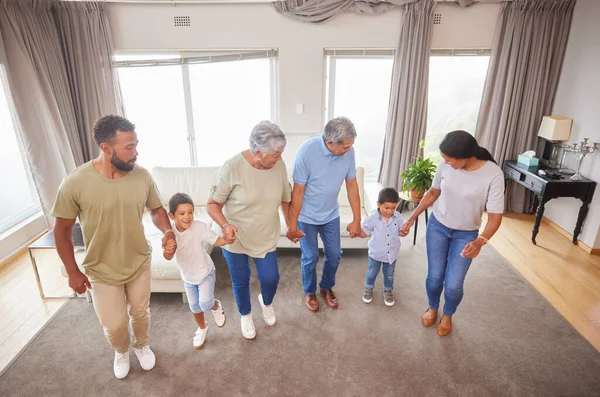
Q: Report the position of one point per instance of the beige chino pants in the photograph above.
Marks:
(119, 306)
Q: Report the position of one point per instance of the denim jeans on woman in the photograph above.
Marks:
(267, 271)
(447, 269)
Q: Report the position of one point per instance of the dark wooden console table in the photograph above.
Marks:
(546, 189)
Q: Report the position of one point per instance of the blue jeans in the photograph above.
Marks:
(388, 274)
(201, 297)
(330, 234)
(239, 268)
(446, 268)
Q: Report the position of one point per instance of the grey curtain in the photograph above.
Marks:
(407, 112)
(87, 45)
(527, 56)
(56, 94)
(321, 10)
(39, 89)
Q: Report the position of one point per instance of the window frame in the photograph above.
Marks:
(474, 52)
(186, 58)
(36, 208)
(330, 55)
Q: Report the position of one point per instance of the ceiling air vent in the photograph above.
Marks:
(182, 21)
(437, 19)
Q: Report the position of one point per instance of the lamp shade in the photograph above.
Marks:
(555, 128)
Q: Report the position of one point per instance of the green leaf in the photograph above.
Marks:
(419, 174)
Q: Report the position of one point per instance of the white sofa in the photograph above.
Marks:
(196, 182)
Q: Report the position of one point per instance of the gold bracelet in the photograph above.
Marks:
(169, 230)
(485, 240)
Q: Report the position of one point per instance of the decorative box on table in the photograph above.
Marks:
(528, 161)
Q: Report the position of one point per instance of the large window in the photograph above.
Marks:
(456, 80)
(196, 109)
(358, 87)
(19, 199)
(154, 102)
(228, 99)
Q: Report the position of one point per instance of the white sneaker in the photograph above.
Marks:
(146, 357)
(121, 364)
(248, 329)
(219, 315)
(200, 337)
(268, 312)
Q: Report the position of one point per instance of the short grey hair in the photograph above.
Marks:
(266, 137)
(338, 130)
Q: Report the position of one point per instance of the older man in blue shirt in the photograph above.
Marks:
(320, 167)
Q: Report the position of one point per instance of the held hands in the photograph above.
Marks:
(406, 227)
(79, 282)
(169, 244)
(229, 233)
(354, 228)
(294, 235)
(170, 248)
(472, 249)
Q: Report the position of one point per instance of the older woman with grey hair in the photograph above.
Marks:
(245, 201)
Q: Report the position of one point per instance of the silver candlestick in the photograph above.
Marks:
(583, 149)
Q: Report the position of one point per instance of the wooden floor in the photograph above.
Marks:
(22, 312)
(567, 276)
(563, 273)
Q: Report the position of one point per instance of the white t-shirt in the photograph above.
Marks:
(193, 262)
(466, 194)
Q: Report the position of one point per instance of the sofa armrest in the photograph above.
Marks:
(372, 190)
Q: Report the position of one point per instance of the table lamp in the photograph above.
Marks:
(554, 129)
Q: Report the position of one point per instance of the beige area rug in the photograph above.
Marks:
(507, 340)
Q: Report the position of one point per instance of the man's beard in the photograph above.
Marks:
(120, 164)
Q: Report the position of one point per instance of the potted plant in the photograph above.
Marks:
(418, 177)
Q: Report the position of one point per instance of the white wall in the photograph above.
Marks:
(578, 97)
(301, 63)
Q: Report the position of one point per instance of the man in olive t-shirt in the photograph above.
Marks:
(109, 195)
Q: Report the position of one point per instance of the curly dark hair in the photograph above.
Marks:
(388, 195)
(106, 128)
(177, 200)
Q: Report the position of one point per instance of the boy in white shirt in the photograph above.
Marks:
(195, 265)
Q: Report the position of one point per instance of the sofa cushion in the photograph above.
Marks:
(194, 181)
